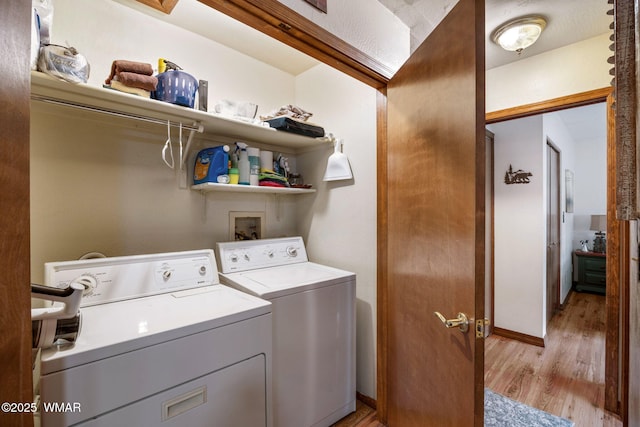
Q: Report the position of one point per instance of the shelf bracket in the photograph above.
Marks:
(196, 127)
(184, 154)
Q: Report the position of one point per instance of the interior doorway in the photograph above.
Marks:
(537, 229)
(606, 176)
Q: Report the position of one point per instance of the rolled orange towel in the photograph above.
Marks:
(121, 65)
(138, 80)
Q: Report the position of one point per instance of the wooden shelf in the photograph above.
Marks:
(45, 88)
(234, 188)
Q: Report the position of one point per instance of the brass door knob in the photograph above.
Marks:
(462, 321)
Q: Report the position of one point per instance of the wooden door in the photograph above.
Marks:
(553, 231)
(435, 226)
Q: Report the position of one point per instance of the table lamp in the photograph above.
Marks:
(599, 223)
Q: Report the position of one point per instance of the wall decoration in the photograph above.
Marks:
(246, 225)
(318, 4)
(568, 187)
(517, 177)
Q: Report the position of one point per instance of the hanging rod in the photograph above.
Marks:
(198, 128)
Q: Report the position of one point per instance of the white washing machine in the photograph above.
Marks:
(313, 327)
(162, 342)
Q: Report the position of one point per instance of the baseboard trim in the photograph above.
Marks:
(528, 339)
(369, 401)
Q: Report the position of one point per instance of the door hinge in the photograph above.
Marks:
(481, 328)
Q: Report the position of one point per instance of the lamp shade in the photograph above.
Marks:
(598, 223)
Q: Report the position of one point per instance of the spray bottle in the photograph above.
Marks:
(243, 163)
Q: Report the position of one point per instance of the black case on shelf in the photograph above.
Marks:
(287, 124)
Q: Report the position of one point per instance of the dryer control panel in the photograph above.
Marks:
(247, 255)
(120, 278)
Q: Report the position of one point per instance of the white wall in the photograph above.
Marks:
(572, 69)
(339, 222)
(590, 182)
(104, 30)
(520, 226)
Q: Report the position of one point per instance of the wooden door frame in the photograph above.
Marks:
(15, 298)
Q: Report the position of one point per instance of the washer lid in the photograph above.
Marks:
(285, 280)
(111, 329)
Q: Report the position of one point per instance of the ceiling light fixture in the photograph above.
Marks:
(520, 33)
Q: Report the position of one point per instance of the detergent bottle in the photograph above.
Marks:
(210, 163)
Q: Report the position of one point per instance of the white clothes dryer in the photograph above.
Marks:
(162, 343)
(313, 309)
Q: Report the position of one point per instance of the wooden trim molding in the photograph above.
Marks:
(555, 104)
(278, 21)
(15, 296)
(528, 339)
(614, 276)
(381, 278)
(165, 6)
(369, 401)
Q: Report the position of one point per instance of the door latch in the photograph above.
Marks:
(481, 328)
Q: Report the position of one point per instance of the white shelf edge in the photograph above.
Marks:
(214, 124)
(236, 188)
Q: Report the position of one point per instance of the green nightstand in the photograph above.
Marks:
(592, 272)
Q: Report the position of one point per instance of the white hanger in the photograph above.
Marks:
(167, 145)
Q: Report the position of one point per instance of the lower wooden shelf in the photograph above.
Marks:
(236, 188)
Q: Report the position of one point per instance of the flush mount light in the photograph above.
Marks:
(520, 33)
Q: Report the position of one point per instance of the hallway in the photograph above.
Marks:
(566, 378)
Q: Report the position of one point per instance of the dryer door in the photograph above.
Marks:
(233, 396)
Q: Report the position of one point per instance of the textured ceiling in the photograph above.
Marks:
(568, 21)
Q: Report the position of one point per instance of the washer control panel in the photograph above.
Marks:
(120, 278)
(247, 255)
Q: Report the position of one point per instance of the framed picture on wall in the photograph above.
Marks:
(568, 181)
(246, 225)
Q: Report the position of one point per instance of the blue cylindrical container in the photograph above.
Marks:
(210, 163)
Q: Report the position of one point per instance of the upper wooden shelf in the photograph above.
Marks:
(93, 98)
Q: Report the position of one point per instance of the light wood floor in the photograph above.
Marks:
(566, 378)
(364, 416)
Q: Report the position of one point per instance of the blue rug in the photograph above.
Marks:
(500, 411)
